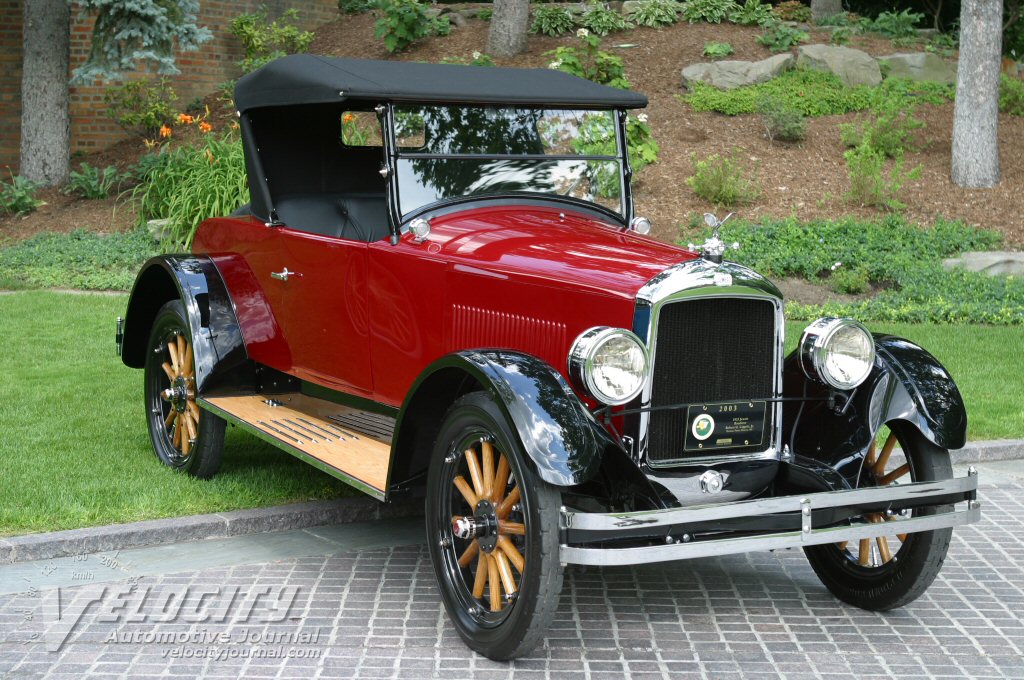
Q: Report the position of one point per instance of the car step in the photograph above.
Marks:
(347, 443)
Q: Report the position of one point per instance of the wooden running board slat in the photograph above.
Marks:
(305, 425)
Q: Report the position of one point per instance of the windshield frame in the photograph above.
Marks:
(399, 222)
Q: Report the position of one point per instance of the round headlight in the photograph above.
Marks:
(609, 364)
(837, 352)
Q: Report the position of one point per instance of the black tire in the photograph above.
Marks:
(888, 584)
(170, 419)
(515, 628)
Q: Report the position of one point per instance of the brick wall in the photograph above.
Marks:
(202, 71)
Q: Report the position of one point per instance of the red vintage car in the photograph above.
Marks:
(440, 288)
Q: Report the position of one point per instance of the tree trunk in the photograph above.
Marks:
(45, 122)
(823, 9)
(508, 28)
(976, 113)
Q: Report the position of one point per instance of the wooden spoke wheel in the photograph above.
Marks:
(183, 436)
(492, 526)
(889, 571)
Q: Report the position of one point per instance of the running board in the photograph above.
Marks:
(352, 445)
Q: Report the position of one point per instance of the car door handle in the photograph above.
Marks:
(283, 275)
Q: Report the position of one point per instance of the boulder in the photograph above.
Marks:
(853, 67)
(728, 75)
(990, 262)
(920, 66)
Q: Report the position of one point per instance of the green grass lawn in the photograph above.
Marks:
(74, 450)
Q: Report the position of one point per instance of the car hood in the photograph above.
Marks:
(561, 247)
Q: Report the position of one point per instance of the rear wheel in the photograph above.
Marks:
(492, 530)
(888, 572)
(184, 436)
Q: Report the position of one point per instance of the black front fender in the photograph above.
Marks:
(906, 383)
(217, 340)
(557, 431)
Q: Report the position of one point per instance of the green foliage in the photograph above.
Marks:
(125, 33)
(1011, 95)
(717, 50)
(711, 11)
(354, 6)
(841, 35)
(849, 280)
(552, 20)
(841, 20)
(894, 24)
(90, 182)
(780, 37)
(79, 259)
(193, 183)
(590, 62)
(889, 129)
(655, 13)
(17, 197)
(943, 44)
(752, 12)
(870, 184)
(485, 14)
(722, 180)
(403, 22)
(902, 263)
(476, 59)
(597, 137)
(264, 40)
(602, 21)
(781, 123)
(792, 10)
(814, 93)
(141, 106)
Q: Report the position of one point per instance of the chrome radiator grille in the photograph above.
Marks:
(708, 350)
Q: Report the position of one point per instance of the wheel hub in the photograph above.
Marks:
(177, 394)
(482, 525)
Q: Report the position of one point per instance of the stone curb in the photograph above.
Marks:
(196, 527)
(298, 516)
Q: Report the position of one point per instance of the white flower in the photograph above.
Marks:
(642, 117)
(582, 33)
(477, 55)
(836, 266)
(556, 64)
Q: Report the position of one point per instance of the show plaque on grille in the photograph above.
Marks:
(725, 425)
(710, 351)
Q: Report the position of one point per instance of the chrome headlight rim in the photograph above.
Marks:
(581, 362)
(814, 343)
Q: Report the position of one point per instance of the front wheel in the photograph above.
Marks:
(492, 530)
(885, 573)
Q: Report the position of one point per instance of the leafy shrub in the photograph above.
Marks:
(1011, 95)
(869, 184)
(792, 10)
(17, 197)
(147, 165)
(901, 259)
(403, 22)
(717, 50)
(552, 20)
(890, 128)
(944, 44)
(193, 183)
(476, 59)
(597, 137)
(485, 14)
(354, 6)
(711, 11)
(781, 123)
(589, 61)
(655, 13)
(602, 21)
(780, 37)
(141, 106)
(894, 24)
(752, 12)
(90, 182)
(722, 181)
(841, 35)
(852, 281)
(265, 40)
(79, 259)
(841, 20)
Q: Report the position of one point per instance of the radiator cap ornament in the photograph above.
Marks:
(714, 247)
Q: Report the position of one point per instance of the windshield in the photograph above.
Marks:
(453, 152)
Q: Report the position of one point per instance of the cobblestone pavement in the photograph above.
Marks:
(375, 613)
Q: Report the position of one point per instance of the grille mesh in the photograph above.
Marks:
(708, 350)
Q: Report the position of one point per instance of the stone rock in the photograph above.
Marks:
(853, 67)
(920, 66)
(456, 19)
(160, 229)
(728, 75)
(990, 262)
(630, 6)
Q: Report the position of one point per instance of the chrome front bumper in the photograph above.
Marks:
(679, 545)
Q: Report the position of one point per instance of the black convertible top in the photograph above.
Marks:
(310, 79)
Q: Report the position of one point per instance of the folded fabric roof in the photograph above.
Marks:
(311, 79)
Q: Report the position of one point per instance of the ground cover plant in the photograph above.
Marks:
(602, 21)
(656, 13)
(552, 21)
(17, 196)
(588, 60)
(717, 50)
(90, 182)
(711, 11)
(901, 262)
(723, 180)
